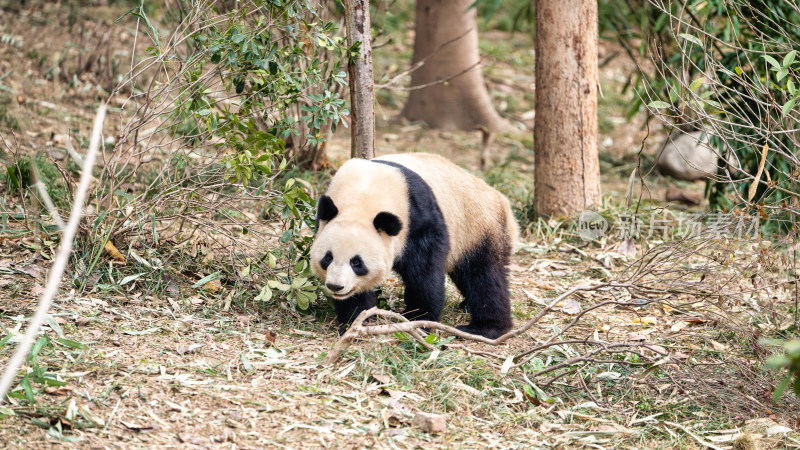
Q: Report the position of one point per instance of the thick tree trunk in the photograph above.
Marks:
(362, 88)
(567, 172)
(446, 44)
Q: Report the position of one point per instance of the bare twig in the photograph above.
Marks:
(697, 438)
(432, 83)
(414, 67)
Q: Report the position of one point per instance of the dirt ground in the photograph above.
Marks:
(184, 370)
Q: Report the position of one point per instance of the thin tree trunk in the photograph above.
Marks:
(446, 43)
(362, 89)
(567, 172)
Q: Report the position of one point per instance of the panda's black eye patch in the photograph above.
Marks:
(326, 260)
(358, 266)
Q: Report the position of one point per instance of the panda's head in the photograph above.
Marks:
(352, 254)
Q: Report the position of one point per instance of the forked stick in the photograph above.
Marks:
(358, 329)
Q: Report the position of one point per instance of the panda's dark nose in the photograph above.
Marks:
(334, 287)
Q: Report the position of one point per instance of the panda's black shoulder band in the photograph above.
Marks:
(388, 222)
(326, 210)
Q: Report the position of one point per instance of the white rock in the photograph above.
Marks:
(429, 423)
(687, 157)
(778, 429)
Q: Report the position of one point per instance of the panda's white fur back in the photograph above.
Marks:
(472, 210)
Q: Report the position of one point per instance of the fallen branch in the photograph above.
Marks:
(358, 329)
(60, 262)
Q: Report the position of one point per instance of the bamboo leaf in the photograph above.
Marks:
(29, 395)
(51, 321)
(658, 104)
(629, 190)
(37, 347)
(692, 39)
(130, 278)
(72, 344)
(206, 279)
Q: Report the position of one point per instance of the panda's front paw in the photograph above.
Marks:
(485, 331)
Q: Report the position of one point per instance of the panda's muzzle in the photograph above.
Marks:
(334, 287)
(335, 291)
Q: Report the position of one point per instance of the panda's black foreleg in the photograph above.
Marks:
(481, 277)
(422, 270)
(424, 294)
(348, 309)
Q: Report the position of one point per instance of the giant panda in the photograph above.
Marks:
(424, 217)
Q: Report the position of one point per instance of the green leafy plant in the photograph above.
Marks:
(282, 70)
(296, 284)
(243, 97)
(788, 362)
(34, 381)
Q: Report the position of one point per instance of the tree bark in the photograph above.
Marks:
(446, 46)
(362, 88)
(567, 169)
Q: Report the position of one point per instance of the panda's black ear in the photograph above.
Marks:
(326, 210)
(387, 222)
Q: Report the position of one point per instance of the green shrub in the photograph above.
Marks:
(789, 362)
(239, 97)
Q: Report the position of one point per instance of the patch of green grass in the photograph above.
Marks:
(39, 58)
(496, 48)
(21, 176)
(53, 349)
(7, 118)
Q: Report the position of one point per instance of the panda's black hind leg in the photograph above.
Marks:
(348, 309)
(481, 277)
